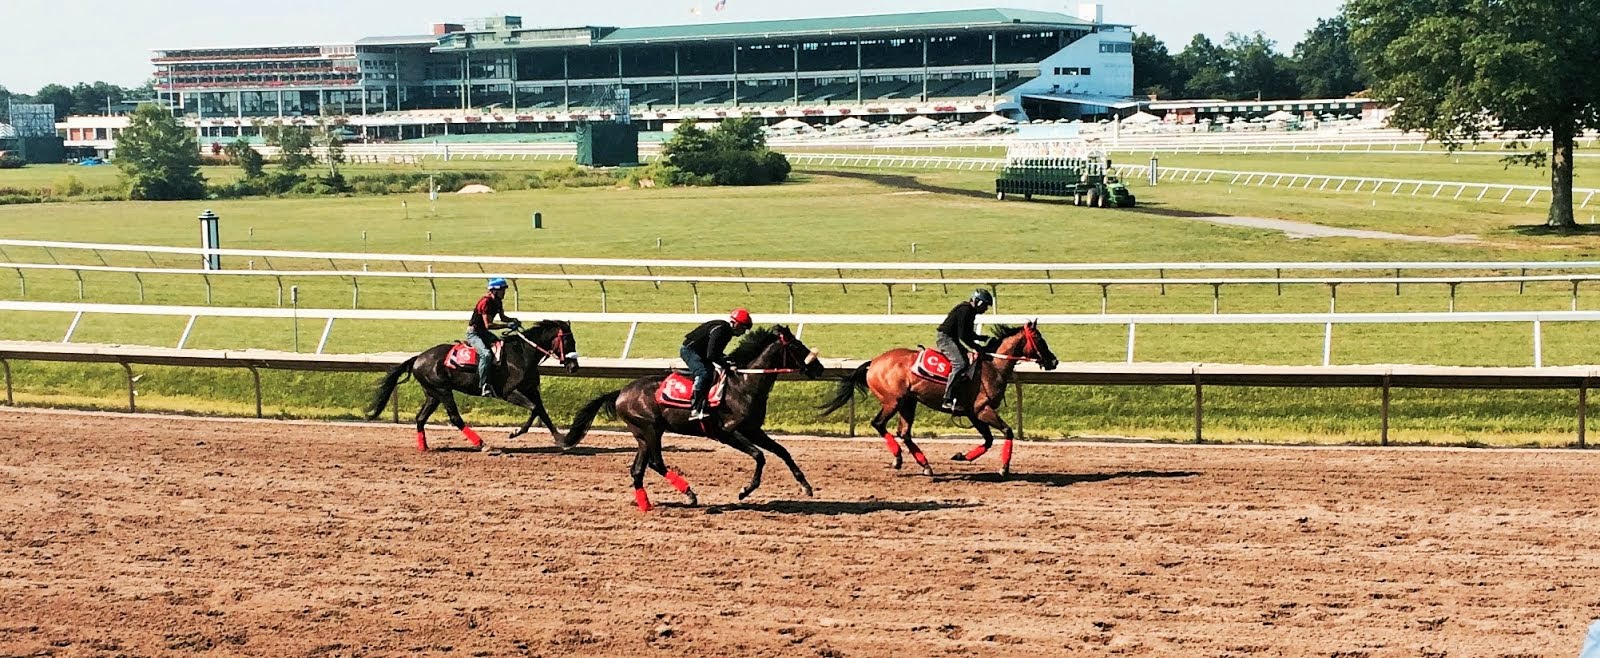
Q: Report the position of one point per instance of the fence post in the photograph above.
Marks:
(129, 371)
(1583, 409)
(627, 345)
(1385, 436)
(791, 297)
(7, 366)
(1019, 410)
(695, 287)
(1199, 418)
(326, 329)
(1327, 345)
(1130, 342)
(255, 375)
(1538, 345)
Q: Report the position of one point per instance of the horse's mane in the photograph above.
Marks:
(1003, 331)
(551, 324)
(751, 345)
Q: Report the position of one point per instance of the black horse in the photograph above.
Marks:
(517, 374)
(763, 354)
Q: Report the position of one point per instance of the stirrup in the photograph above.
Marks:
(698, 414)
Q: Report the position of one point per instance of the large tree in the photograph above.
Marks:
(1461, 68)
(1258, 69)
(159, 158)
(1155, 72)
(56, 95)
(1324, 65)
(1205, 69)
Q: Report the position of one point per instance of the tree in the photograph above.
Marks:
(1256, 68)
(243, 154)
(56, 95)
(294, 146)
(1204, 67)
(335, 146)
(1324, 65)
(159, 158)
(1458, 69)
(735, 153)
(1155, 72)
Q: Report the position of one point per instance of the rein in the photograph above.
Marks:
(555, 352)
(1030, 345)
(778, 371)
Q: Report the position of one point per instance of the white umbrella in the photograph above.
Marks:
(791, 124)
(851, 122)
(994, 120)
(1280, 115)
(919, 121)
(1142, 117)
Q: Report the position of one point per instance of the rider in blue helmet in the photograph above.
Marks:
(480, 331)
(959, 332)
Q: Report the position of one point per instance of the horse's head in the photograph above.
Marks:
(1027, 342)
(776, 348)
(556, 340)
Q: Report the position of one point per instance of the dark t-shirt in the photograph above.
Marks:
(960, 325)
(710, 339)
(489, 307)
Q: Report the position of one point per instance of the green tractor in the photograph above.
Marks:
(1084, 175)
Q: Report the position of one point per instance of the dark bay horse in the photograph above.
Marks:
(889, 377)
(517, 374)
(762, 354)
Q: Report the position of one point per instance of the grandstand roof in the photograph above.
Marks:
(406, 40)
(876, 23)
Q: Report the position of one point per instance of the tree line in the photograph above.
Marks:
(80, 98)
(1250, 66)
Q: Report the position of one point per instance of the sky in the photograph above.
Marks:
(87, 40)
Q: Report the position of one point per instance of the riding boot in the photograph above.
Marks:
(697, 409)
(950, 403)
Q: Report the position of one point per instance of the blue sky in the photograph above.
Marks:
(86, 40)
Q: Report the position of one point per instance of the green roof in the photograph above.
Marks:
(875, 24)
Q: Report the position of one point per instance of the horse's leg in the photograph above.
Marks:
(673, 475)
(991, 417)
(988, 439)
(760, 438)
(881, 424)
(448, 399)
(521, 399)
(430, 402)
(640, 460)
(908, 415)
(738, 442)
(544, 416)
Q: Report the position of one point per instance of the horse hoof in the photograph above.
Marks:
(806, 489)
(693, 500)
(1005, 471)
(958, 457)
(746, 493)
(927, 470)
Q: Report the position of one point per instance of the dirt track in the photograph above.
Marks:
(141, 536)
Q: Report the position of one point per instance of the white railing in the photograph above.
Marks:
(824, 266)
(1131, 322)
(1454, 190)
(789, 283)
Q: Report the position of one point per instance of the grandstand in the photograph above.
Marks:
(953, 64)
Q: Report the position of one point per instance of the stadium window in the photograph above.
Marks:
(1083, 71)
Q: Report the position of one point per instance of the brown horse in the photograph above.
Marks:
(890, 378)
(763, 354)
(517, 374)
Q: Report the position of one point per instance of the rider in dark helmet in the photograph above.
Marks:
(480, 331)
(958, 333)
(703, 347)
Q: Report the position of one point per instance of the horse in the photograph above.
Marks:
(898, 389)
(762, 355)
(517, 374)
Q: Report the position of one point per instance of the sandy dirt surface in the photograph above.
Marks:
(141, 536)
(1296, 229)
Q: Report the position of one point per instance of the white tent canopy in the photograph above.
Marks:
(994, 120)
(1280, 115)
(851, 122)
(1142, 117)
(791, 124)
(919, 121)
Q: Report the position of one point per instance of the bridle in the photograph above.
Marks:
(558, 349)
(783, 341)
(1030, 345)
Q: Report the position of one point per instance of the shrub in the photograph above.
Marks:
(12, 162)
(68, 185)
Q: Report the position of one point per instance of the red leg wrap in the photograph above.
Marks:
(422, 442)
(894, 446)
(921, 458)
(975, 453)
(677, 481)
(1005, 452)
(643, 499)
(472, 436)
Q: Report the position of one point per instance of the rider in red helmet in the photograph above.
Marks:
(703, 347)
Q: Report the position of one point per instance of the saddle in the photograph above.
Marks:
(934, 366)
(463, 357)
(677, 390)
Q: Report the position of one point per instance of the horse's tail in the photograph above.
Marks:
(846, 390)
(380, 397)
(585, 418)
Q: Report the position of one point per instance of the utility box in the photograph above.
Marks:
(608, 144)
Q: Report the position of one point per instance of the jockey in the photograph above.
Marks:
(480, 331)
(957, 333)
(703, 347)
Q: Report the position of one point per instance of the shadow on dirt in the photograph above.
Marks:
(839, 508)
(901, 182)
(580, 451)
(1060, 479)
